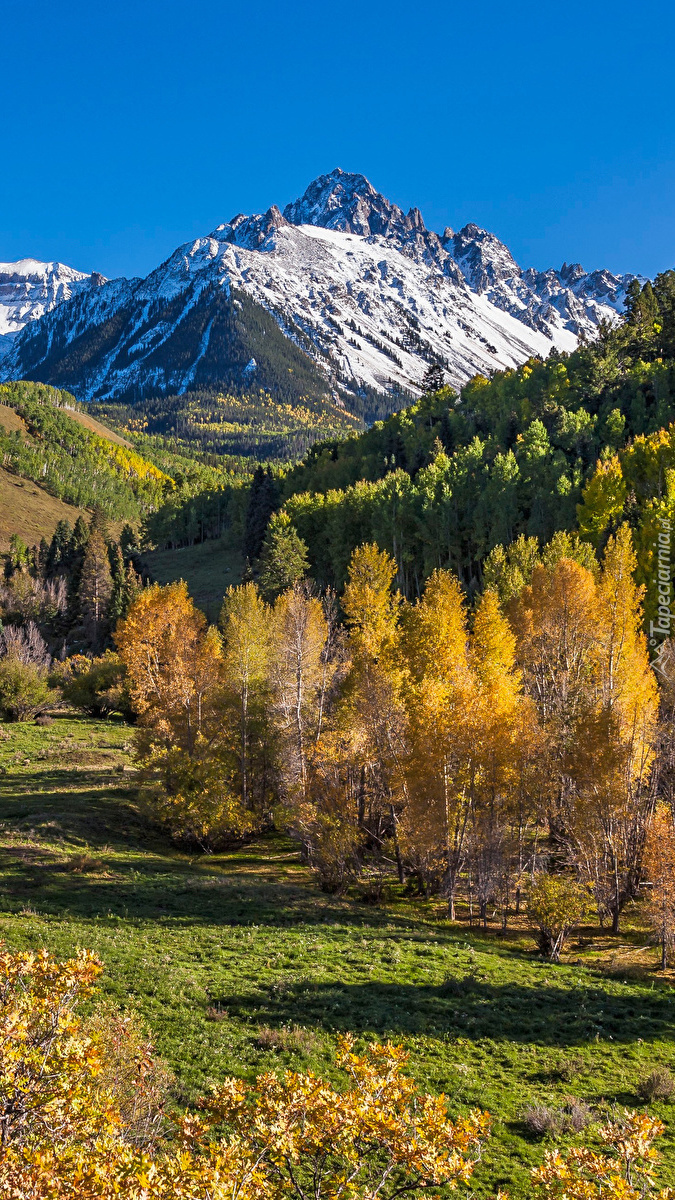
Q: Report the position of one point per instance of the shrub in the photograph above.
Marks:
(555, 904)
(569, 1068)
(95, 685)
(540, 1119)
(140, 1082)
(24, 691)
(658, 1085)
(296, 1038)
(574, 1116)
(624, 1168)
(81, 1108)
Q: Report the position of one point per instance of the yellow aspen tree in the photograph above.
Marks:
(175, 671)
(372, 714)
(494, 741)
(615, 793)
(298, 680)
(174, 664)
(659, 870)
(245, 622)
(440, 697)
(603, 500)
(556, 621)
(370, 606)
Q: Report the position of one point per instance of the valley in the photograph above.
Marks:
(239, 965)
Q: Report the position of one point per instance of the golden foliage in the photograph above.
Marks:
(626, 1172)
(66, 1137)
(174, 664)
(659, 869)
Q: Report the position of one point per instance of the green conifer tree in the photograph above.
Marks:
(283, 560)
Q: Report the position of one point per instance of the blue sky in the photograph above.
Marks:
(128, 128)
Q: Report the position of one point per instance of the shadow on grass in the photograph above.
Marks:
(511, 1012)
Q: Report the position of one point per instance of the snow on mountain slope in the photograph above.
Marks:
(364, 291)
(29, 288)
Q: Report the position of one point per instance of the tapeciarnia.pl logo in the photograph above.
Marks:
(660, 629)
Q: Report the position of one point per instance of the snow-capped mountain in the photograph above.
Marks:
(361, 291)
(29, 288)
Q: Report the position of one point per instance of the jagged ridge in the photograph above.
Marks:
(364, 296)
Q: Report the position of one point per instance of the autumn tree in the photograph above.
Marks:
(555, 905)
(300, 677)
(659, 870)
(499, 739)
(245, 620)
(615, 792)
(175, 671)
(372, 712)
(586, 667)
(440, 700)
(173, 662)
(556, 620)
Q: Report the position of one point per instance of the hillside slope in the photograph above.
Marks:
(50, 445)
(29, 511)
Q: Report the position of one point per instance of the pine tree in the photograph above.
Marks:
(434, 378)
(283, 560)
(262, 502)
(95, 587)
(128, 543)
(59, 549)
(664, 291)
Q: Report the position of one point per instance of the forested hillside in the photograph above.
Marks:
(445, 481)
(70, 461)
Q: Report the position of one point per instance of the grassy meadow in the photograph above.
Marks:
(238, 964)
(209, 569)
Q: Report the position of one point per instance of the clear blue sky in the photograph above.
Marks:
(130, 127)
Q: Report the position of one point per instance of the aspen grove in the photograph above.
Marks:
(461, 751)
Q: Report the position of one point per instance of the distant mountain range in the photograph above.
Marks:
(340, 296)
(29, 289)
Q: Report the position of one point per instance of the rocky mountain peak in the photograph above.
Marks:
(349, 203)
(570, 272)
(483, 258)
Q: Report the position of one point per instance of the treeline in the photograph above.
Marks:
(71, 462)
(59, 604)
(465, 755)
(254, 424)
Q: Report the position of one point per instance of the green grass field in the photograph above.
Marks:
(239, 964)
(209, 568)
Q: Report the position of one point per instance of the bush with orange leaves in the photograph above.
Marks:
(625, 1173)
(64, 1135)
